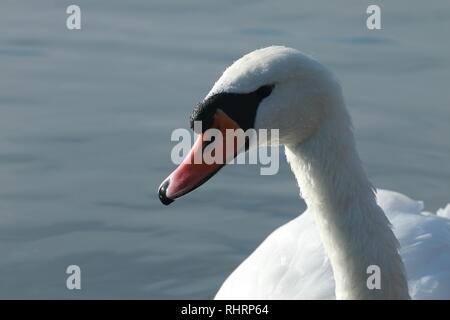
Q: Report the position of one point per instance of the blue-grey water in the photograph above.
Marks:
(86, 118)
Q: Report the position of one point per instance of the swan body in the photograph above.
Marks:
(291, 263)
(347, 229)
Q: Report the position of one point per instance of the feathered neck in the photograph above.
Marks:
(355, 231)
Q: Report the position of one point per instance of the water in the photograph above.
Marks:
(86, 118)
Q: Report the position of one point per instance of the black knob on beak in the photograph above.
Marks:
(162, 193)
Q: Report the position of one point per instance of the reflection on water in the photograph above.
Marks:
(86, 118)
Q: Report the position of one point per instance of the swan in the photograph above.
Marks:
(350, 230)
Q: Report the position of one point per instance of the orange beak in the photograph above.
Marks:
(194, 170)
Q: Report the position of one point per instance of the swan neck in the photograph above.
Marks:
(354, 230)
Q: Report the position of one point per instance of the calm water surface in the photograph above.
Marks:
(86, 118)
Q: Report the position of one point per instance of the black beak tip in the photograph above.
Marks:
(162, 193)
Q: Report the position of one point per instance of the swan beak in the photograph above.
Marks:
(194, 171)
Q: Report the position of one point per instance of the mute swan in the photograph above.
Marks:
(327, 252)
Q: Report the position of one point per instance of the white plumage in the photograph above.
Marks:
(325, 252)
(291, 262)
(353, 242)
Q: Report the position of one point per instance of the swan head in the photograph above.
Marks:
(270, 88)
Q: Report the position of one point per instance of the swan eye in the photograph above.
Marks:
(265, 91)
(241, 107)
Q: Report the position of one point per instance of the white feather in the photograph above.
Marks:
(325, 252)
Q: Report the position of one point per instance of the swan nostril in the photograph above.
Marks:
(162, 193)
